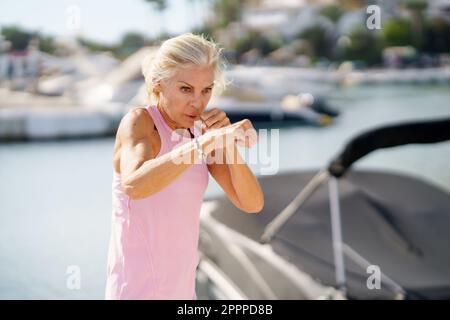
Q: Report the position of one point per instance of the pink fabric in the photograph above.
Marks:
(153, 245)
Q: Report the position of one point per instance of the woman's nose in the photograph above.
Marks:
(196, 102)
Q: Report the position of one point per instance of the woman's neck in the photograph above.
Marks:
(172, 124)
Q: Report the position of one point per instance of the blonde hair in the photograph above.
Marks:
(182, 51)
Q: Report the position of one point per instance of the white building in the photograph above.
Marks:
(439, 8)
(287, 17)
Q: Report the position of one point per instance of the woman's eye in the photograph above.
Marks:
(207, 90)
(185, 89)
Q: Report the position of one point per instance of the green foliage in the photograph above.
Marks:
(364, 45)
(397, 32)
(353, 4)
(95, 46)
(418, 5)
(133, 40)
(20, 39)
(207, 30)
(255, 39)
(437, 36)
(227, 11)
(160, 5)
(47, 44)
(318, 40)
(332, 11)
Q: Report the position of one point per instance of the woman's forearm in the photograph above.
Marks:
(245, 183)
(155, 174)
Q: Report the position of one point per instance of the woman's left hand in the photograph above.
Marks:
(214, 119)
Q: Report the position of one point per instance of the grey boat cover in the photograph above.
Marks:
(398, 223)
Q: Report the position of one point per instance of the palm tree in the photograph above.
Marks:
(227, 11)
(416, 9)
(160, 5)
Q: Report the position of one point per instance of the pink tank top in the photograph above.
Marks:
(153, 244)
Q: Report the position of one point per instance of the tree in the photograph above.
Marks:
(397, 32)
(318, 40)
(46, 44)
(206, 30)
(255, 40)
(227, 11)
(133, 40)
(332, 11)
(416, 9)
(160, 5)
(353, 4)
(20, 39)
(96, 46)
(364, 46)
(437, 36)
(130, 43)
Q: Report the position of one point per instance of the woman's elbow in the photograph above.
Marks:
(131, 190)
(137, 192)
(256, 207)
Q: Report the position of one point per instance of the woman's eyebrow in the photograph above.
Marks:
(211, 85)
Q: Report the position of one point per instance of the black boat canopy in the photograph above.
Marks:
(387, 137)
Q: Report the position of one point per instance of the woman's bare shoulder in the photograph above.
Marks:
(136, 126)
(137, 123)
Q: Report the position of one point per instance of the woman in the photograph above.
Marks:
(156, 197)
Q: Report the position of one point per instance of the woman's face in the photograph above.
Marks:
(186, 94)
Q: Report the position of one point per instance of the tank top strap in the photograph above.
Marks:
(156, 116)
(169, 137)
(167, 131)
(162, 131)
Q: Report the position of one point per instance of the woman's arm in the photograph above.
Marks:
(237, 180)
(143, 174)
(227, 166)
(229, 169)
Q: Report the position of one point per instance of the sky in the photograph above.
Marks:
(101, 20)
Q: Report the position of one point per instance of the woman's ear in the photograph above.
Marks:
(157, 86)
(157, 89)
